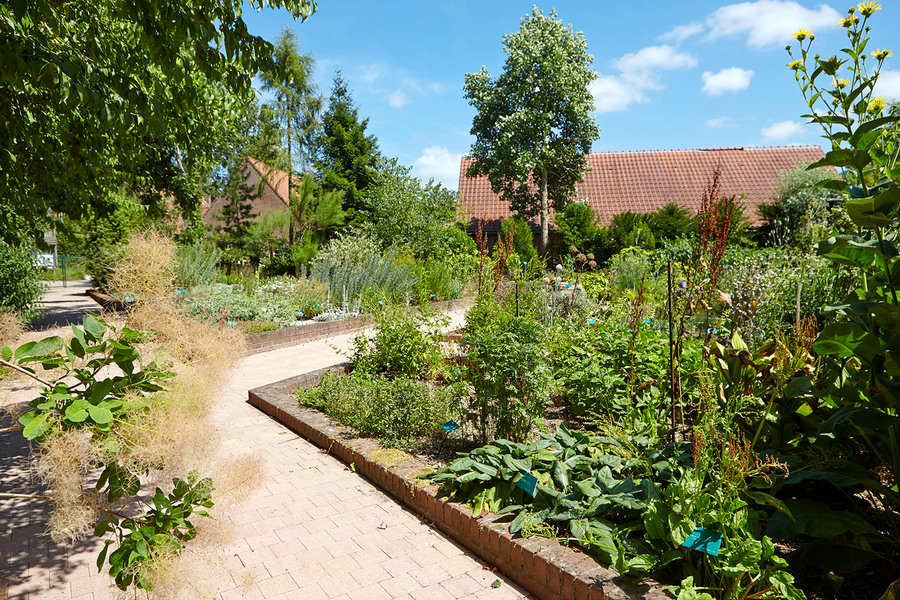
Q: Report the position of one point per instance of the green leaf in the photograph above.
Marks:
(35, 426)
(102, 557)
(844, 157)
(875, 211)
(24, 350)
(6, 353)
(100, 414)
(843, 340)
(94, 328)
(769, 500)
(46, 347)
(815, 519)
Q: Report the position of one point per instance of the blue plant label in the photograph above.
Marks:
(450, 426)
(704, 540)
(527, 483)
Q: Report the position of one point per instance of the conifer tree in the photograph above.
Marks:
(347, 156)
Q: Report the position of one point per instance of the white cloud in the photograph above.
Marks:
(638, 71)
(438, 163)
(782, 130)
(732, 79)
(721, 122)
(397, 99)
(769, 22)
(682, 32)
(653, 58)
(888, 85)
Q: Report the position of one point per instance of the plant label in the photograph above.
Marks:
(704, 540)
(450, 426)
(527, 483)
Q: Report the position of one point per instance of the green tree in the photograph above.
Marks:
(94, 94)
(237, 213)
(533, 126)
(407, 213)
(347, 156)
(797, 204)
(669, 222)
(578, 226)
(522, 238)
(296, 105)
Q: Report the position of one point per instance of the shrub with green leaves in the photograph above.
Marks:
(405, 343)
(20, 281)
(505, 366)
(234, 304)
(632, 503)
(394, 410)
(196, 265)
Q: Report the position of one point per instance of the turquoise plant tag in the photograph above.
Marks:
(450, 426)
(704, 540)
(527, 483)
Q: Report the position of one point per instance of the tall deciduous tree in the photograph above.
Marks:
(94, 92)
(297, 103)
(533, 126)
(347, 156)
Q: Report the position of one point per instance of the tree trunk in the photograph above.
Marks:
(290, 175)
(545, 212)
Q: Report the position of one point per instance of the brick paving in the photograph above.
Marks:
(314, 529)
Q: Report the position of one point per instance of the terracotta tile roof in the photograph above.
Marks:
(271, 195)
(642, 181)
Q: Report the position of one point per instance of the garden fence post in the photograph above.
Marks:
(671, 352)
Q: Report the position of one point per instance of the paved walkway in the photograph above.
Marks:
(314, 530)
(65, 305)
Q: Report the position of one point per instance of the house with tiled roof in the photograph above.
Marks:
(643, 181)
(269, 184)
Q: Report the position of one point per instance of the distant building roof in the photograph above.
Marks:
(642, 181)
(271, 195)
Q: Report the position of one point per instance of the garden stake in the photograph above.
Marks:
(517, 298)
(797, 318)
(671, 354)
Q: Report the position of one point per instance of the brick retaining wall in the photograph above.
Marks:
(544, 567)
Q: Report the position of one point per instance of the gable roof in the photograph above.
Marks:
(271, 196)
(642, 181)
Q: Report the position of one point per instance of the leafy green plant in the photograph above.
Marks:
(20, 281)
(405, 343)
(101, 385)
(196, 265)
(506, 368)
(628, 504)
(395, 410)
(160, 531)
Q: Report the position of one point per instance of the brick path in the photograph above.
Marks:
(314, 530)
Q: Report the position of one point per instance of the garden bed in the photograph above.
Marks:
(543, 566)
(312, 330)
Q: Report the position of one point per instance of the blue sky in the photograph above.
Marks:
(673, 75)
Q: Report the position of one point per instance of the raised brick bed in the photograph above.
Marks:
(290, 336)
(543, 567)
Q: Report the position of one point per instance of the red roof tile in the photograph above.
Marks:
(642, 181)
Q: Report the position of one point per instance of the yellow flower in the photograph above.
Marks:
(842, 83)
(877, 105)
(849, 21)
(795, 65)
(802, 34)
(867, 8)
(881, 54)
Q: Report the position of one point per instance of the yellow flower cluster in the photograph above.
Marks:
(849, 21)
(881, 54)
(866, 9)
(877, 105)
(842, 83)
(803, 34)
(795, 65)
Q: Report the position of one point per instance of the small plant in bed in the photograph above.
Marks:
(398, 411)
